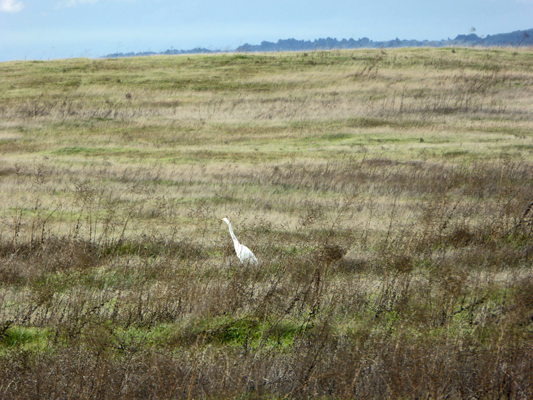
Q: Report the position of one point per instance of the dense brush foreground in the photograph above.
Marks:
(388, 196)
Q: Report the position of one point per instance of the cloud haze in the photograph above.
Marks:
(74, 3)
(11, 6)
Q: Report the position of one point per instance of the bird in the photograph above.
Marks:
(244, 254)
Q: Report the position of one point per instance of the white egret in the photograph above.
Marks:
(244, 253)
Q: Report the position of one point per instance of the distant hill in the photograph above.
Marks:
(513, 39)
(197, 50)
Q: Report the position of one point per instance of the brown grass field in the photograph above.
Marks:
(388, 195)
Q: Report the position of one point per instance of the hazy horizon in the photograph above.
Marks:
(42, 30)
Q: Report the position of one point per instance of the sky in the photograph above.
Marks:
(53, 29)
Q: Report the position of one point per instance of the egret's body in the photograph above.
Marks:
(244, 254)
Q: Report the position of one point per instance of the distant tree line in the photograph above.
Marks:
(517, 38)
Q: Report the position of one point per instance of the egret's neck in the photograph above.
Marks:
(232, 234)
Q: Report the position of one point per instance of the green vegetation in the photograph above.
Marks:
(388, 195)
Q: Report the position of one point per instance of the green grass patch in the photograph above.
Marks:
(25, 338)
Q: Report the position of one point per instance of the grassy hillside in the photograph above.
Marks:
(387, 194)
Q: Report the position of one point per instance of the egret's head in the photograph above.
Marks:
(225, 220)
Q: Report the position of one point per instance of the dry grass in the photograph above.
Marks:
(387, 194)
